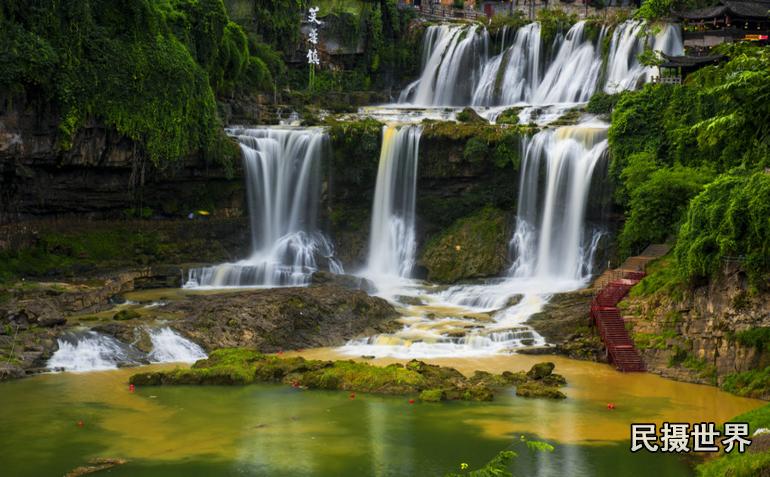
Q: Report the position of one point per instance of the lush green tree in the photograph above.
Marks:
(730, 219)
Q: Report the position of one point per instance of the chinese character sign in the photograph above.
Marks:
(312, 53)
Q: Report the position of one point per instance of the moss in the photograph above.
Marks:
(754, 383)
(537, 389)
(474, 246)
(124, 315)
(432, 395)
(235, 366)
(150, 70)
(469, 115)
(602, 103)
(757, 338)
(509, 116)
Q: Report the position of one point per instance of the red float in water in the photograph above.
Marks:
(611, 406)
(130, 388)
(80, 424)
(411, 401)
(352, 395)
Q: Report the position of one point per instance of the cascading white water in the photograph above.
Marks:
(452, 60)
(457, 69)
(170, 347)
(283, 183)
(550, 242)
(392, 236)
(623, 68)
(520, 66)
(574, 73)
(91, 351)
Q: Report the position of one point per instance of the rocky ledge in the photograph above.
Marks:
(283, 318)
(235, 366)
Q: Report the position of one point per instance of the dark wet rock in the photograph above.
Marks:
(409, 300)
(536, 350)
(10, 371)
(282, 319)
(51, 321)
(564, 323)
(351, 282)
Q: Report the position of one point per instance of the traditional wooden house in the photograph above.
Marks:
(728, 21)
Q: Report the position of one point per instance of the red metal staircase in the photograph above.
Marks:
(612, 329)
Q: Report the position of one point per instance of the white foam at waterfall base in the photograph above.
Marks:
(282, 168)
(91, 351)
(425, 337)
(553, 253)
(170, 347)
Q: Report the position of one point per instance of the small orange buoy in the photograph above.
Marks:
(352, 395)
(611, 406)
(130, 388)
(80, 424)
(411, 401)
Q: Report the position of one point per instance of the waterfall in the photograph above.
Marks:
(520, 67)
(392, 236)
(169, 347)
(623, 68)
(550, 242)
(92, 351)
(452, 59)
(283, 189)
(457, 69)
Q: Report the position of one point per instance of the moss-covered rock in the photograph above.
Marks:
(469, 115)
(541, 370)
(432, 383)
(536, 389)
(124, 315)
(473, 247)
(432, 395)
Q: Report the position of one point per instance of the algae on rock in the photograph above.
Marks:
(473, 247)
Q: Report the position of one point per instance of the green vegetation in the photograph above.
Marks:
(553, 21)
(690, 159)
(99, 246)
(728, 220)
(602, 103)
(757, 338)
(497, 467)
(148, 69)
(754, 383)
(243, 366)
(473, 247)
(749, 464)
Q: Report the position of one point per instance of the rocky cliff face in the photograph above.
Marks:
(706, 334)
(103, 174)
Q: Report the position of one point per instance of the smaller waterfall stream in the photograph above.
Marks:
(92, 351)
(283, 183)
(553, 253)
(82, 351)
(169, 347)
(392, 237)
